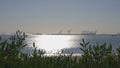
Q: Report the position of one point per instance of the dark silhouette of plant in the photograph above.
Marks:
(10, 51)
(93, 56)
(98, 55)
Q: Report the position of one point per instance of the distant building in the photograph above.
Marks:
(88, 32)
(38, 34)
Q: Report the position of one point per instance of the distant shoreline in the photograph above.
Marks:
(67, 34)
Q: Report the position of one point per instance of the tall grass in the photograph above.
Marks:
(94, 56)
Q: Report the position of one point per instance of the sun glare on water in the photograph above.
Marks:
(52, 42)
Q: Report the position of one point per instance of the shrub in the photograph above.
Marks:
(94, 56)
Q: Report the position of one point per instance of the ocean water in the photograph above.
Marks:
(70, 43)
(66, 43)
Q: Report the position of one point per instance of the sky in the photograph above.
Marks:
(52, 16)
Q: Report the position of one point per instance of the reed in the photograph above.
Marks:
(94, 56)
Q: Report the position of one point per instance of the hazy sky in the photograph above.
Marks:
(54, 15)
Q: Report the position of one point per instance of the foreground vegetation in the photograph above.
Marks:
(94, 56)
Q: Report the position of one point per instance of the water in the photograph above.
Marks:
(67, 43)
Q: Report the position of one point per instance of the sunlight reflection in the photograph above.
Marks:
(52, 42)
